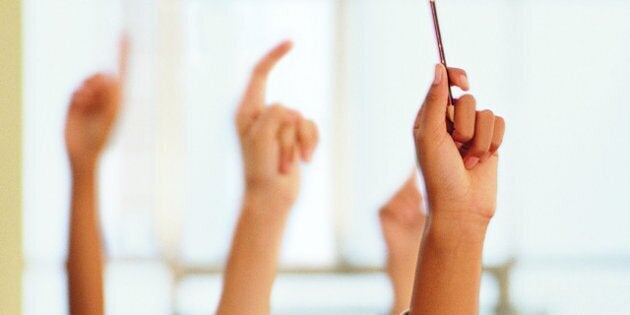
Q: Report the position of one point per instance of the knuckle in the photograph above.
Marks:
(499, 120)
(275, 106)
(276, 109)
(486, 113)
(477, 151)
(463, 135)
(468, 99)
(433, 97)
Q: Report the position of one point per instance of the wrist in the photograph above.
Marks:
(457, 229)
(264, 206)
(83, 172)
(268, 196)
(259, 228)
(83, 166)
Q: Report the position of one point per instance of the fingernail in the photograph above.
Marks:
(471, 162)
(438, 74)
(465, 82)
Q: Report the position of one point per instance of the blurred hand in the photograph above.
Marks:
(91, 115)
(402, 224)
(460, 169)
(274, 139)
(402, 220)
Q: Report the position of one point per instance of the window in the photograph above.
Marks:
(170, 183)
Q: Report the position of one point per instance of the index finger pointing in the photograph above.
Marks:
(253, 101)
(255, 94)
(266, 64)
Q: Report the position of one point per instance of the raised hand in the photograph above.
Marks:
(274, 139)
(91, 115)
(459, 163)
(402, 218)
(460, 169)
(93, 110)
(402, 224)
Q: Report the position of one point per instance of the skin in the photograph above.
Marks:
(402, 222)
(90, 120)
(460, 172)
(274, 140)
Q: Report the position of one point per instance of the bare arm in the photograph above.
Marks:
(85, 253)
(91, 116)
(274, 140)
(253, 260)
(460, 171)
(449, 268)
(402, 223)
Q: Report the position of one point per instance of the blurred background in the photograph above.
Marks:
(171, 181)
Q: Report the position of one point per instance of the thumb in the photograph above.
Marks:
(253, 101)
(436, 102)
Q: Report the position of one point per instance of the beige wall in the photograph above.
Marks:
(10, 157)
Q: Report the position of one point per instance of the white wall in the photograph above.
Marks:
(556, 70)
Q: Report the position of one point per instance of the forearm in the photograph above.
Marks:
(401, 271)
(85, 254)
(449, 266)
(253, 260)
